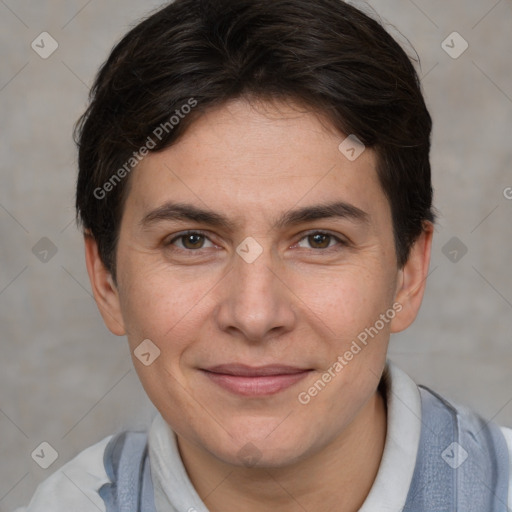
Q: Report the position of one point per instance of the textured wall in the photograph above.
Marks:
(66, 380)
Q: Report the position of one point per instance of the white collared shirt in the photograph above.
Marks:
(75, 485)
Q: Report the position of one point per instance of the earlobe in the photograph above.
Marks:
(104, 290)
(412, 280)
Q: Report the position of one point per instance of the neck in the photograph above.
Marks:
(339, 477)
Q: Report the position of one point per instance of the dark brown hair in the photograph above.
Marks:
(324, 54)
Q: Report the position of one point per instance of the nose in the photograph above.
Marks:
(256, 303)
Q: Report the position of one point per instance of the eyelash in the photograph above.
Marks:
(341, 242)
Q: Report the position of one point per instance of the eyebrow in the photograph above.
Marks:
(186, 212)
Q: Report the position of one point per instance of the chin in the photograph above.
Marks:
(251, 456)
(259, 444)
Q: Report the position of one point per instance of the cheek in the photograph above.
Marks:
(346, 317)
(346, 300)
(347, 309)
(159, 304)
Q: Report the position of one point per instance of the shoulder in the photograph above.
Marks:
(75, 485)
(507, 434)
(486, 443)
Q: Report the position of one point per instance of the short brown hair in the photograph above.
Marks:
(324, 54)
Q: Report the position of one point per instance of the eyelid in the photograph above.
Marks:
(176, 236)
(339, 238)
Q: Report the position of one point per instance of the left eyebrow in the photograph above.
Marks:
(183, 212)
(338, 209)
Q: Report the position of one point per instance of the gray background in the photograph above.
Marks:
(66, 380)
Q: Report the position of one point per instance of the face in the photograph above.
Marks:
(255, 255)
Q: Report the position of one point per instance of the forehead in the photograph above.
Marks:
(245, 159)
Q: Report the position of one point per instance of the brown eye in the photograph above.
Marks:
(192, 241)
(319, 240)
(189, 241)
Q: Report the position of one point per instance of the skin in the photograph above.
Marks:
(301, 302)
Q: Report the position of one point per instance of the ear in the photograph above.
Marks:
(412, 280)
(105, 291)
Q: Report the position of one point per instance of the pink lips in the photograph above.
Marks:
(255, 381)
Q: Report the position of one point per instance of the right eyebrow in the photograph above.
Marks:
(181, 211)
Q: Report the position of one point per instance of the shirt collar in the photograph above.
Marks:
(391, 485)
(172, 487)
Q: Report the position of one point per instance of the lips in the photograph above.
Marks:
(243, 370)
(255, 381)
